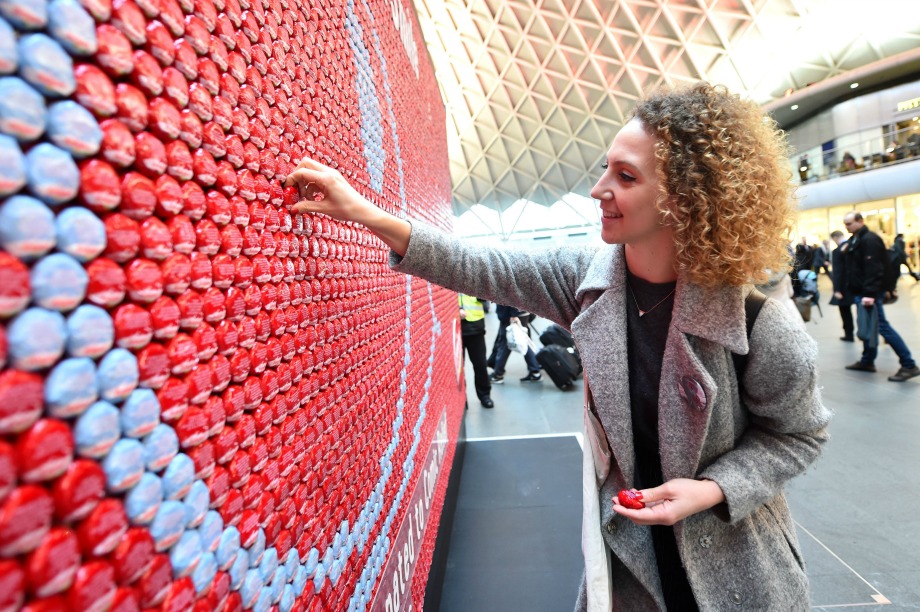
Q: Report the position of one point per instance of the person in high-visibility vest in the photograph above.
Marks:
(473, 331)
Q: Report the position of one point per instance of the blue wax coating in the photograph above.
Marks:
(46, 65)
(228, 547)
(336, 544)
(212, 527)
(204, 573)
(335, 572)
(286, 603)
(144, 499)
(12, 161)
(275, 588)
(96, 430)
(257, 549)
(118, 377)
(160, 447)
(168, 524)
(22, 110)
(72, 27)
(178, 477)
(124, 465)
(9, 52)
(80, 233)
(140, 413)
(268, 565)
(52, 174)
(71, 387)
(238, 569)
(26, 226)
(58, 282)
(299, 582)
(291, 563)
(74, 129)
(319, 577)
(185, 554)
(281, 573)
(311, 562)
(263, 601)
(196, 504)
(251, 588)
(25, 14)
(90, 332)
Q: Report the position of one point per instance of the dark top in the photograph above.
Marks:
(647, 336)
(865, 263)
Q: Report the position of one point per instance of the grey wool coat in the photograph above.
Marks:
(742, 554)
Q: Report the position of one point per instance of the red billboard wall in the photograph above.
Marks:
(207, 402)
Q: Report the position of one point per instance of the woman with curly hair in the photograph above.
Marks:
(688, 446)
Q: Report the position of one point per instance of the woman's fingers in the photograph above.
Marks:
(661, 513)
(305, 206)
(301, 177)
(311, 188)
(311, 164)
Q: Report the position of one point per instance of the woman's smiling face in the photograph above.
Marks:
(628, 190)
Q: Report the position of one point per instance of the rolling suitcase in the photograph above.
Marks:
(558, 335)
(560, 364)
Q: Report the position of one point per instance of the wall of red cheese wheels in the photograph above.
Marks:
(207, 402)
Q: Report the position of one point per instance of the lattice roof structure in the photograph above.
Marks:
(535, 90)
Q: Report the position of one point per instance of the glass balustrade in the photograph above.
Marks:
(858, 152)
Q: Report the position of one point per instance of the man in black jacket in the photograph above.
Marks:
(865, 273)
(842, 297)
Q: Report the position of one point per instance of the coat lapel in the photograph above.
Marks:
(603, 348)
(601, 332)
(706, 325)
(685, 397)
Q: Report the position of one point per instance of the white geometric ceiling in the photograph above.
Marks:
(535, 90)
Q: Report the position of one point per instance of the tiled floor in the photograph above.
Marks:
(856, 509)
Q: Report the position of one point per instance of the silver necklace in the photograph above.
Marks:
(642, 313)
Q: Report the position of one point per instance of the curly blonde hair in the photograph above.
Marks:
(726, 188)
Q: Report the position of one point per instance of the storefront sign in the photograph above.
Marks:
(907, 105)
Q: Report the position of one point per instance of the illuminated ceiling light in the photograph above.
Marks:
(854, 85)
(794, 107)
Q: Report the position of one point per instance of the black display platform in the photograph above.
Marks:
(515, 541)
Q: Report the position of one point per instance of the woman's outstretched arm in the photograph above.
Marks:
(324, 190)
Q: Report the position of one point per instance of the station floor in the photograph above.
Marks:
(516, 536)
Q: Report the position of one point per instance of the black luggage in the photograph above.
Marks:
(558, 335)
(561, 364)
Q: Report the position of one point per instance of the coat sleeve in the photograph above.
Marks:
(788, 421)
(543, 282)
